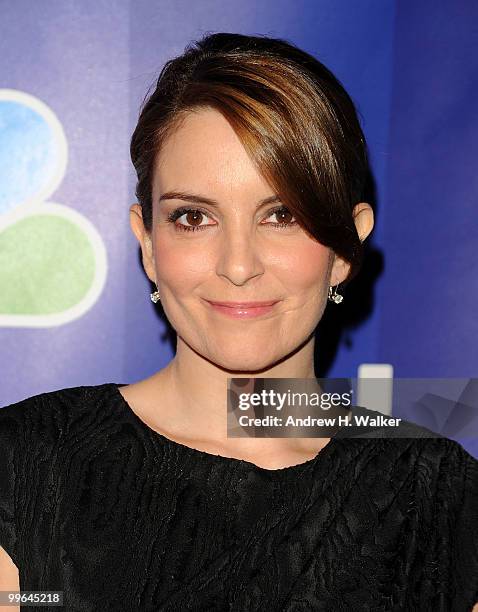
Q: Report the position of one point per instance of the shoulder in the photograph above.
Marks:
(445, 486)
(61, 398)
(438, 478)
(441, 466)
(47, 415)
(48, 443)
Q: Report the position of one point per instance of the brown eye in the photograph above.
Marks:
(284, 217)
(189, 219)
(194, 217)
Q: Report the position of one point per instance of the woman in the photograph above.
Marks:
(251, 165)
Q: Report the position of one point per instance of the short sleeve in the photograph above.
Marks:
(465, 536)
(10, 474)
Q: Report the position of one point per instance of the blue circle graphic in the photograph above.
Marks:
(28, 154)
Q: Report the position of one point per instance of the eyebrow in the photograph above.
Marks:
(199, 199)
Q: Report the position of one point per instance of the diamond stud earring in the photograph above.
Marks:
(155, 297)
(335, 297)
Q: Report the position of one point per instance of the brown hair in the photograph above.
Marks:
(294, 118)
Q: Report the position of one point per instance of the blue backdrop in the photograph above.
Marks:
(74, 303)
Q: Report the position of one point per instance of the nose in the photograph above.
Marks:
(239, 258)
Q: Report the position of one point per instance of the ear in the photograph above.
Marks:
(144, 239)
(363, 219)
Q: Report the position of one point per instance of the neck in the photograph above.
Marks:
(197, 389)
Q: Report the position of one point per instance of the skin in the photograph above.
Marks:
(238, 256)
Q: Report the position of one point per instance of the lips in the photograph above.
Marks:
(243, 304)
(243, 310)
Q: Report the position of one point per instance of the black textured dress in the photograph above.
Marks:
(96, 504)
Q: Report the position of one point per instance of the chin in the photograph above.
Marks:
(244, 363)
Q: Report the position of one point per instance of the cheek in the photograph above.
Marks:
(181, 266)
(304, 267)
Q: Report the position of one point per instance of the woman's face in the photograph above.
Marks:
(230, 251)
